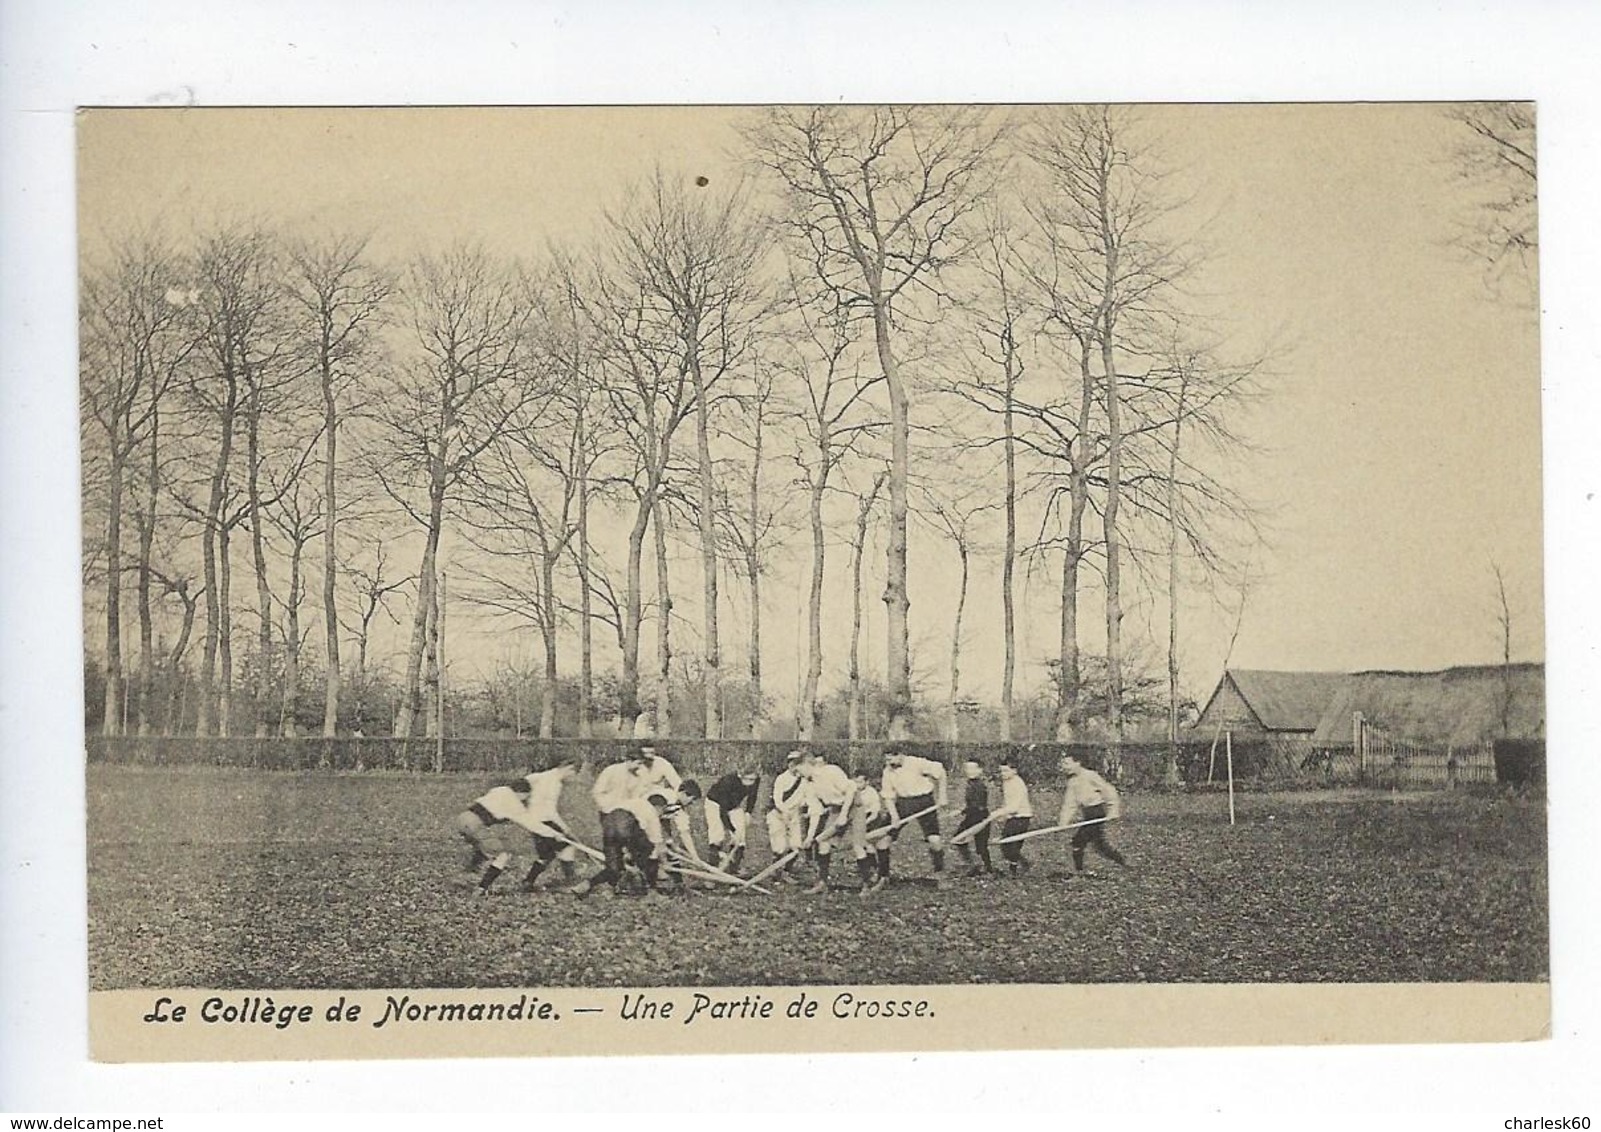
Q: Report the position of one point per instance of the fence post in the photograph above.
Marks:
(1359, 740)
(1228, 747)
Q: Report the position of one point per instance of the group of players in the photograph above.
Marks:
(815, 808)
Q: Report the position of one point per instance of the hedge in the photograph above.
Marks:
(1138, 765)
(1520, 762)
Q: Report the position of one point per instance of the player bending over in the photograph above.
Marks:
(1087, 798)
(729, 805)
(975, 812)
(553, 841)
(867, 818)
(487, 825)
(914, 785)
(829, 788)
(1016, 813)
(630, 834)
(786, 821)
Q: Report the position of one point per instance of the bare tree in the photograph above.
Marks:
(337, 298)
(878, 199)
(999, 312)
(953, 510)
(234, 301)
(755, 523)
(523, 496)
(372, 592)
(833, 414)
(297, 513)
(693, 255)
(1503, 619)
(864, 513)
(447, 401)
(648, 395)
(1494, 161)
(1102, 211)
(133, 338)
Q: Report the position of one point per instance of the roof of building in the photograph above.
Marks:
(1285, 701)
(1454, 705)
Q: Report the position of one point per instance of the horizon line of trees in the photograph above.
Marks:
(955, 328)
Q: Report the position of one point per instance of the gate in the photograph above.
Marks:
(1389, 760)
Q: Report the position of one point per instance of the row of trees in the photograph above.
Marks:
(950, 323)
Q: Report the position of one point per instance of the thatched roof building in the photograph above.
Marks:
(1455, 705)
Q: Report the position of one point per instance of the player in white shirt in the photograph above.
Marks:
(867, 818)
(1016, 812)
(658, 775)
(829, 789)
(489, 824)
(914, 785)
(786, 821)
(617, 784)
(1089, 798)
(657, 772)
(544, 807)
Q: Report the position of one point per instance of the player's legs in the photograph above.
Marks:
(471, 828)
(1086, 835)
(879, 842)
(981, 842)
(738, 831)
(825, 850)
(717, 831)
(777, 833)
(1014, 851)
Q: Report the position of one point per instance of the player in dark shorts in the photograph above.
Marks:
(975, 812)
(630, 834)
(729, 804)
(913, 785)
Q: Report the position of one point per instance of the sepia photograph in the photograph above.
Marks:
(847, 546)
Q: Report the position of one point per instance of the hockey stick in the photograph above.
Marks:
(557, 835)
(1048, 829)
(690, 867)
(973, 831)
(894, 825)
(771, 869)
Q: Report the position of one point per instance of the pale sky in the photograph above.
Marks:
(1400, 437)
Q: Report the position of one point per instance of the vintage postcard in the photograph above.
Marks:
(792, 578)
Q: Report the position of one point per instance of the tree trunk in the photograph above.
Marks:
(330, 566)
(547, 710)
(1114, 597)
(664, 630)
(291, 697)
(112, 721)
(1009, 555)
(1070, 672)
(858, 545)
(430, 687)
(1172, 770)
(897, 602)
(147, 538)
(955, 734)
(806, 721)
(586, 661)
(225, 630)
(753, 573)
(174, 720)
(712, 684)
(412, 706)
(629, 707)
(258, 555)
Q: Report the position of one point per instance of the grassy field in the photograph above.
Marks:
(239, 879)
